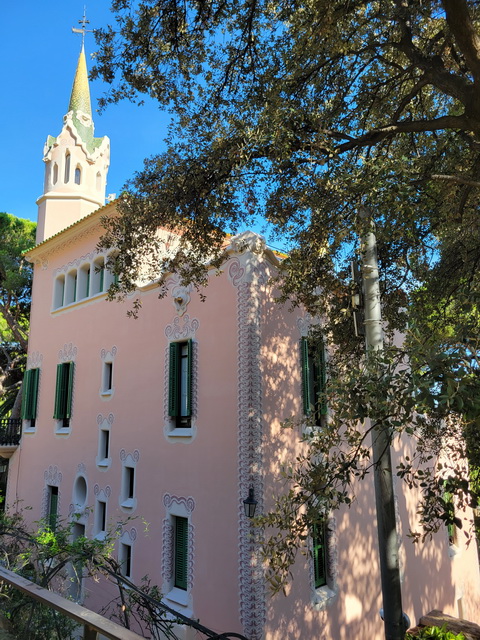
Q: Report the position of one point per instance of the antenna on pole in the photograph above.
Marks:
(84, 29)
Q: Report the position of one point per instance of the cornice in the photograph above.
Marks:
(70, 235)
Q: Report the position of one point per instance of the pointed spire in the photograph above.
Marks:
(80, 97)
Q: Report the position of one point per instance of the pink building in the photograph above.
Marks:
(173, 417)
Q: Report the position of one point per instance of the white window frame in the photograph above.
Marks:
(104, 432)
(128, 499)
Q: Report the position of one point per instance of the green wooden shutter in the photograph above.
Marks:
(35, 375)
(322, 376)
(29, 395)
(305, 376)
(68, 404)
(173, 380)
(53, 508)
(60, 392)
(181, 552)
(26, 394)
(319, 554)
(189, 377)
(102, 277)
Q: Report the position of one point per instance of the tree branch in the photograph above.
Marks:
(465, 33)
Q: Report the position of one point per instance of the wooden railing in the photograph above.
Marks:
(93, 623)
(10, 431)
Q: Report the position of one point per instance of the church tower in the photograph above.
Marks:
(76, 164)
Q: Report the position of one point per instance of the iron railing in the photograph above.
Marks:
(10, 431)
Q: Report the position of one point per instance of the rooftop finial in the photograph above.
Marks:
(84, 29)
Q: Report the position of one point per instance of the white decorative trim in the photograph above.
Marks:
(250, 458)
(75, 264)
(108, 355)
(178, 598)
(248, 241)
(174, 331)
(68, 353)
(304, 324)
(181, 298)
(34, 360)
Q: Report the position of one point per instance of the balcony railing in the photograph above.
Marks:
(10, 432)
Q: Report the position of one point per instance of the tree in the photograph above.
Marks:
(298, 113)
(16, 236)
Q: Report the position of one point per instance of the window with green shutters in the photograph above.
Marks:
(314, 379)
(180, 383)
(319, 550)
(181, 553)
(64, 393)
(52, 507)
(29, 395)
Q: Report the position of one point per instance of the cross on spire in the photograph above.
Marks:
(83, 29)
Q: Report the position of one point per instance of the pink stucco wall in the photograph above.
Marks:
(246, 380)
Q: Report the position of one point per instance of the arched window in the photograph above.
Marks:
(55, 173)
(59, 292)
(83, 283)
(71, 287)
(99, 181)
(78, 175)
(67, 167)
(98, 276)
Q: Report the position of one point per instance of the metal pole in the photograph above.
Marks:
(393, 617)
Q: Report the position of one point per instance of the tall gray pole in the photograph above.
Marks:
(382, 463)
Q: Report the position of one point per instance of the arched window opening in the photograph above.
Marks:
(71, 287)
(59, 292)
(98, 276)
(83, 284)
(99, 181)
(55, 173)
(67, 167)
(78, 175)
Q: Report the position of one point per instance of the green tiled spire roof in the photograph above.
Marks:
(80, 102)
(80, 98)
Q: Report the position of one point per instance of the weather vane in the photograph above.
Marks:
(84, 29)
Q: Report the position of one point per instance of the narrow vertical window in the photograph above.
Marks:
(130, 483)
(67, 168)
(180, 383)
(128, 488)
(29, 396)
(104, 448)
(181, 553)
(101, 516)
(314, 379)
(107, 377)
(55, 173)
(319, 554)
(125, 560)
(78, 175)
(64, 393)
(52, 517)
(99, 181)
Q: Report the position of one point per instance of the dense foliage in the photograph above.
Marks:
(16, 236)
(297, 113)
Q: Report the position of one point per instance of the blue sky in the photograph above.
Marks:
(38, 54)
